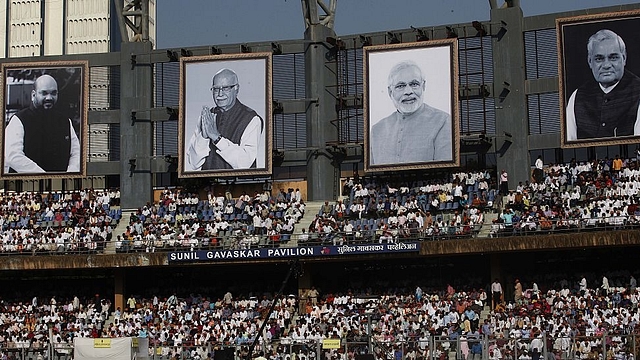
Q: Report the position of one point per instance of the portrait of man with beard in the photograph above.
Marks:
(40, 138)
(415, 132)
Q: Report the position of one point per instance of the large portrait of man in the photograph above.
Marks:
(599, 63)
(225, 115)
(45, 123)
(411, 106)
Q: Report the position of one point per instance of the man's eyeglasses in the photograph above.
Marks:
(226, 89)
(413, 84)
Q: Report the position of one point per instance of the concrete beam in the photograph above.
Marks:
(541, 86)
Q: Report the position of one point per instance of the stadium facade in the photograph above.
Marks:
(507, 81)
(40, 29)
(508, 88)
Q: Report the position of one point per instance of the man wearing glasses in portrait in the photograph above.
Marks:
(229, 135)
(415, 132)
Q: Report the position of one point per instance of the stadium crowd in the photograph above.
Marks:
(57, 222)
(569, 320)
(573, 196)
(179, 221)
(391, 211)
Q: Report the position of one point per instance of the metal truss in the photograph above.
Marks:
(317, 12)
(133, 15)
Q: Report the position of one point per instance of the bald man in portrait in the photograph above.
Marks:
(41, 138)
(229, 135)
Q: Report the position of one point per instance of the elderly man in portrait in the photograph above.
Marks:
(608, 105)
(415, 132)
(229, 135)
(40, 138)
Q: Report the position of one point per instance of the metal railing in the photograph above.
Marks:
(537, 226)
(623, 346)
(52, 248)
(230, 240)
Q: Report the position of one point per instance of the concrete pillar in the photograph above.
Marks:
(495, 268)
(304, 284)
(512, 126)
(136, 91)
(53, 23)
(320, 84)
(119, 280)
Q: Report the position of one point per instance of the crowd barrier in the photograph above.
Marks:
(249, 241)
(480, 347)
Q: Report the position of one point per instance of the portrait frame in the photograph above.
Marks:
(573, 69)
(432, 57)
(72, 78)
(254, 71)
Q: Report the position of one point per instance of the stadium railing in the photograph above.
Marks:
(248, 241)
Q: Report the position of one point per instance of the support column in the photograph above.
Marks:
(136, 89)
(512, 125)
(321, 79)
(304, 284)
(495, 267)
(119, 281)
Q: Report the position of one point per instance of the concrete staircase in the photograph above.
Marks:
(311, 209)
(484, 314)
(110, 247)
(486, 227)
(108, 321)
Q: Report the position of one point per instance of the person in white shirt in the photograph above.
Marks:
(607, 107)
(496, 293)
(40, 138)
(229, 135)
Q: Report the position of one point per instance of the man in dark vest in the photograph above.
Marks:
(228, 136)
(40, 138)
(608, 106)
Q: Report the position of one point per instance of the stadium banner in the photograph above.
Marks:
(293, 252)
(331, 343)
(45, 132)
(411, 112)
(599, 79)
(102, 348)
(224, 126)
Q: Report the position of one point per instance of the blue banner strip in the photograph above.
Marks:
(294, 252)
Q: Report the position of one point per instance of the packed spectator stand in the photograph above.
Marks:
(58, 222)
(596, 195)
(182, 221)
(568, 197)
(561, 318)
(452, 206)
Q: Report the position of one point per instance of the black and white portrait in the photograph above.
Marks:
(45, 111)
(599, 62)
(411, 102)
(225, 115)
